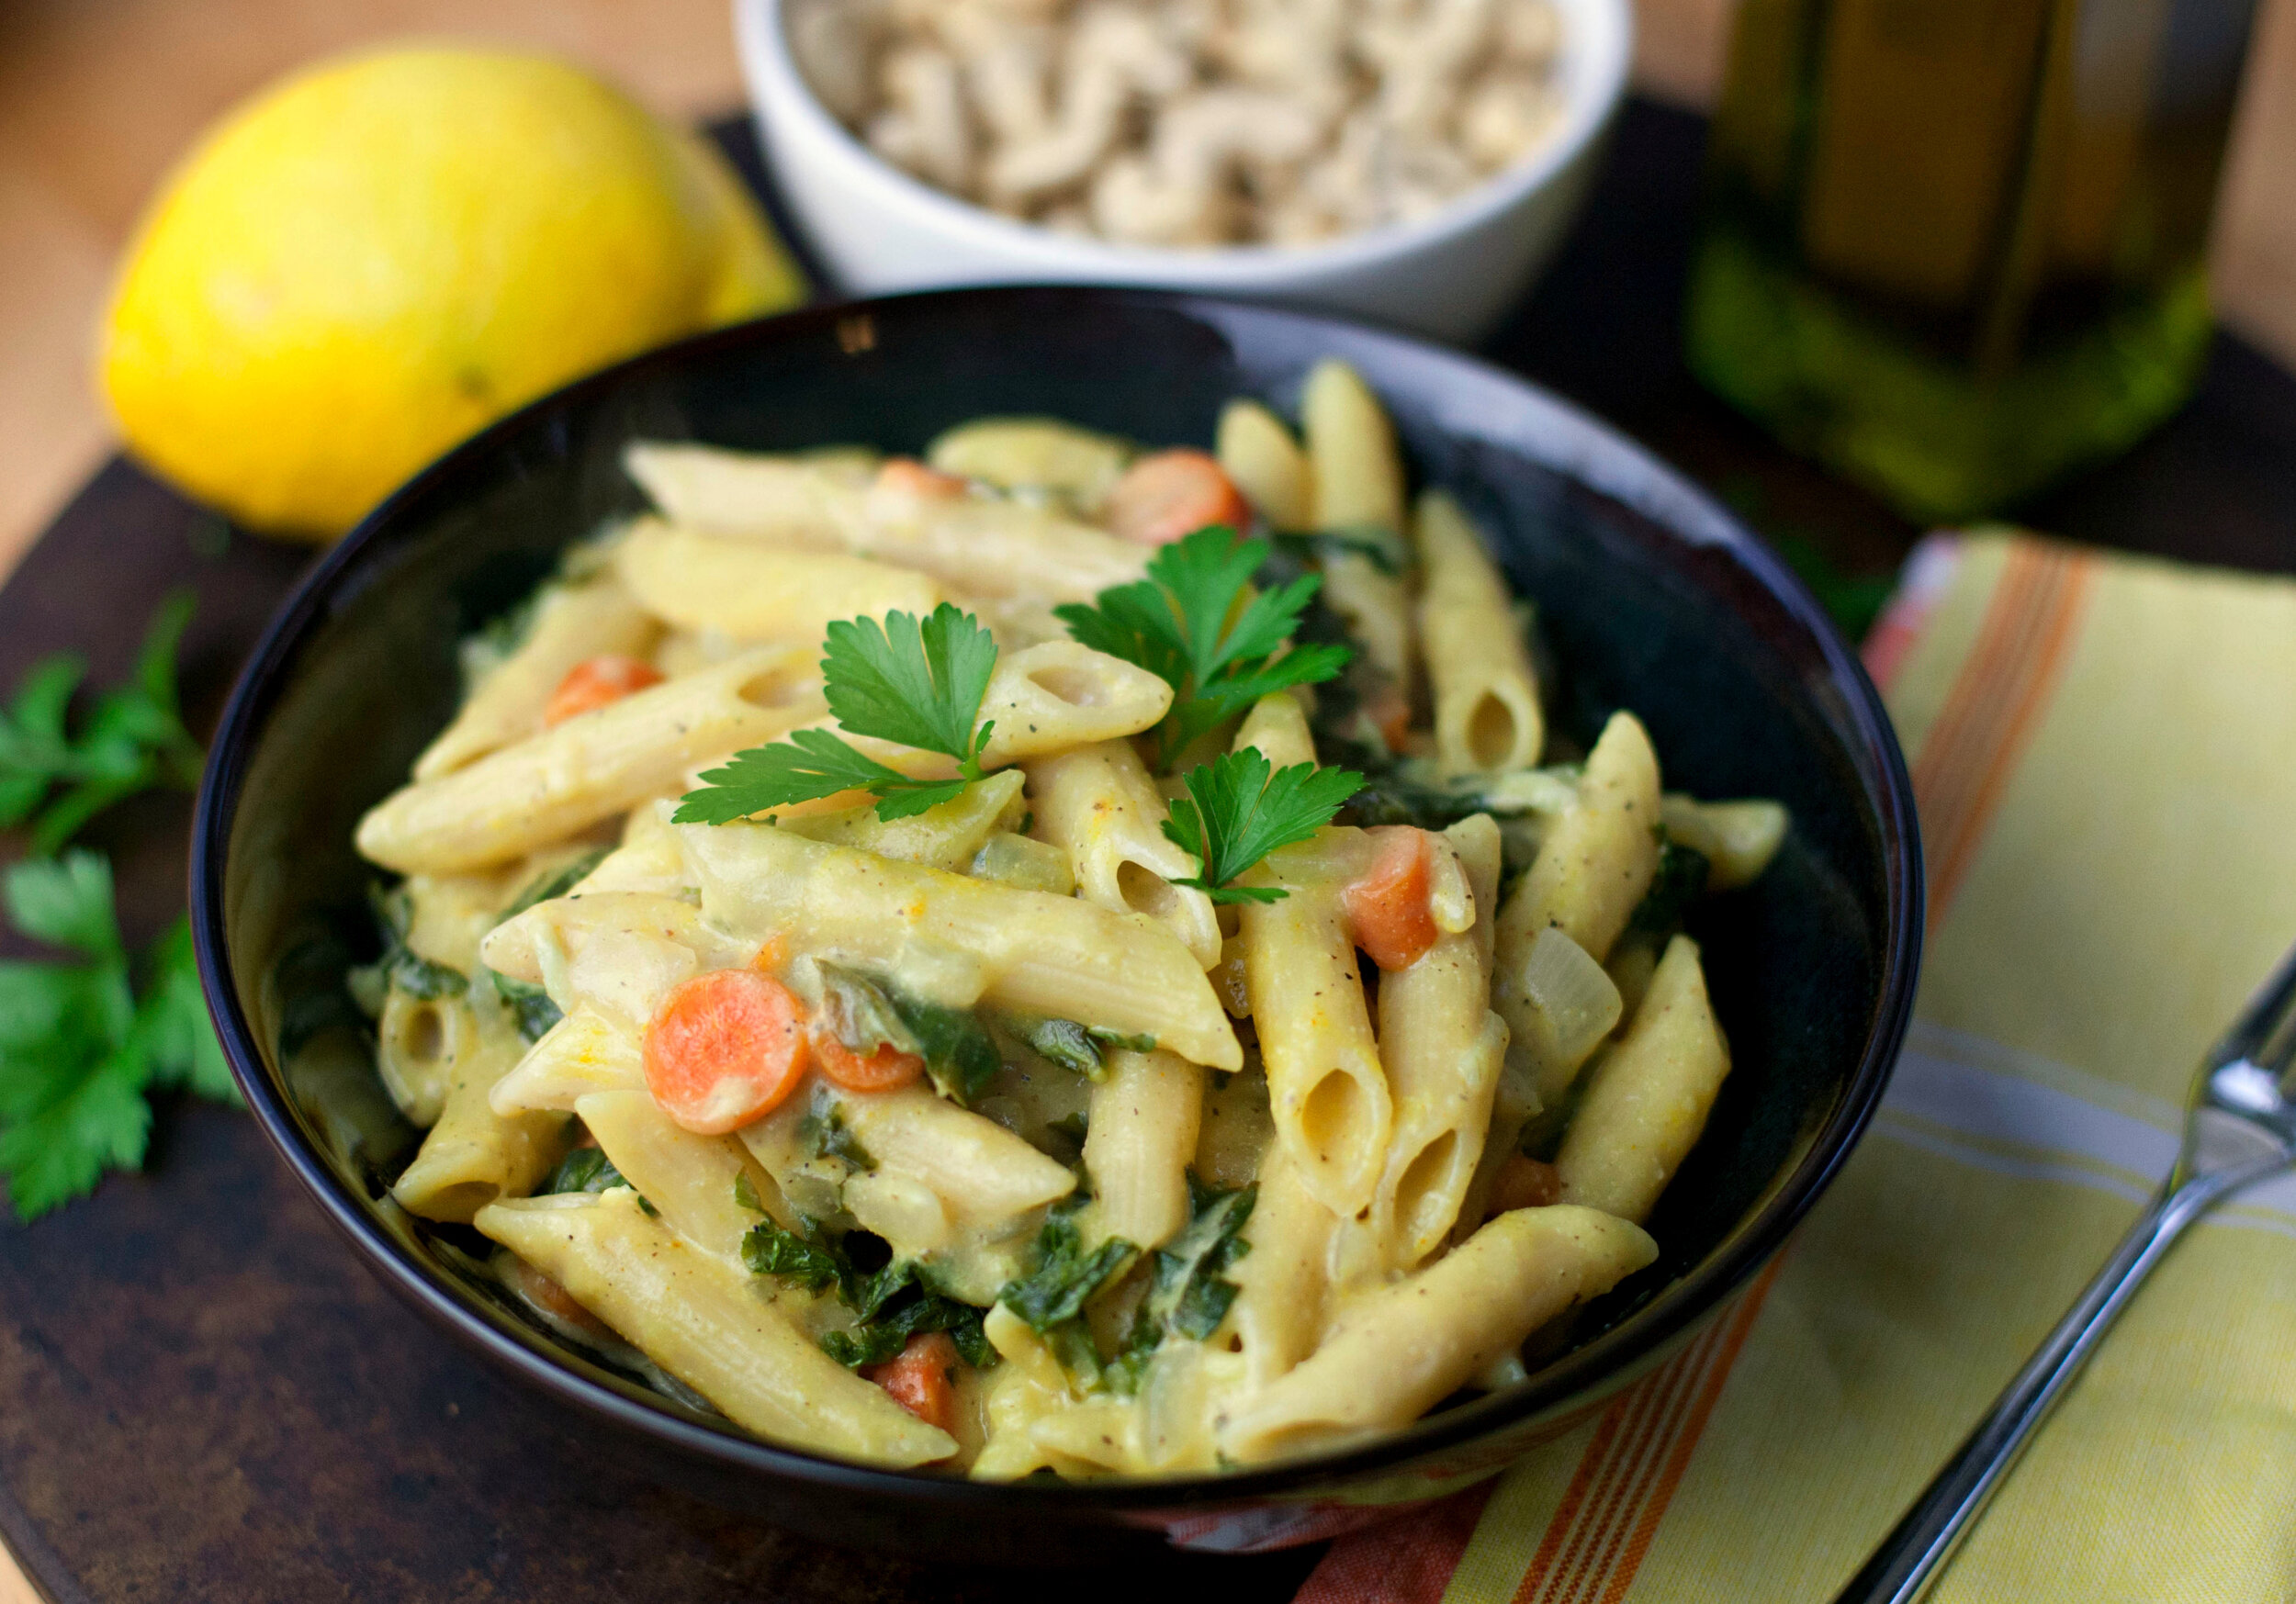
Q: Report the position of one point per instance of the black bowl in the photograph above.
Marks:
(1653, 598)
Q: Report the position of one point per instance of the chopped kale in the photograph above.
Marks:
(530, 1006)
(555, 884)
(1681, 880)
(826, 1137)
(958, 1054)
(746, 1195)
(1188, 1295)
(584, 1170)
(1075, 1046)
(860, 1014)
(891, 1303)
(400, 967)
(768, 1249)
(1066, 1277)
(884, 1332)
(866, 1015)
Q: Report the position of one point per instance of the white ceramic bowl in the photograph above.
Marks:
(1453, 275)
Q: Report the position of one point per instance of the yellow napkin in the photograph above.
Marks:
(2104, 751)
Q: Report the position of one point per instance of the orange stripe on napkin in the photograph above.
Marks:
(1993, 707)
(1410, 1562)
(1602, 1528)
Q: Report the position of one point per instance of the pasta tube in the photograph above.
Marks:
(948, 836)
(957, 940)
(1595, 864)
(1276, 728)
(755, 593)
(1649, 1095)
(991, 547)
(708, 1323)
(571, 624)
(688, 1179)
(1283, 1283)
(1443, 1048)
(1327, 1088)
(1393, 1354)
(588, 768)
(1486, 696)
(1034, 454)
(1137, 1143)
(1738, 838)
(1258, 454)
(1098, 805)
(618, 951)
(586, 1051)
(1360, 490)
(473, 1155)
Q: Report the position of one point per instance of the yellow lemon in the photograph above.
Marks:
(376, 257)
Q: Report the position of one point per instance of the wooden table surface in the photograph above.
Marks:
(97, 95)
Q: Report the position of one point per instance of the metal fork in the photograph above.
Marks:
(2240, 1128)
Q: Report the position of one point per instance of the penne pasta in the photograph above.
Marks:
(761, 593)
(571, 624)
(1146, 1118)
(589, 768)
(1325, 1084)
(1487, 716)
(1098, 805)
(702, 1320)
(959, 941)
(1049, 1127)
(1260, 457)
(1392, 1352)
(1648, 1097)
(473, 1155)
(992, 548)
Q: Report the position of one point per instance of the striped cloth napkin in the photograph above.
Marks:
(2104, 751)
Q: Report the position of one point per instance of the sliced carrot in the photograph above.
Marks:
(1524, 1182)
(724, 1048)
(886, 1069)
(922, 1379)
(1170, 494)
(1387, 903)
(592, 685)
(913, 477)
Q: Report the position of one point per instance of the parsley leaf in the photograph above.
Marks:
(133, 739)
(1236, 812)
(916, 683)
(79, 1049)
(1066, 1277)
(809, 764)
(1183, 624)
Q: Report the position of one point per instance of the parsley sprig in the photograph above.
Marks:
(133, 738)
(916, 683)
(80, 1048)
(1191, 624)
(1236, 812)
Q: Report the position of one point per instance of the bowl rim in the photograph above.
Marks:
(1673, 1310)
(778, 86)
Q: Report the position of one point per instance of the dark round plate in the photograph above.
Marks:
(1651, 596)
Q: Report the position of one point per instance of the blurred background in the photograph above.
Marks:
(97, 97)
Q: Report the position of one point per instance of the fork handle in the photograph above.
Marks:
(1916, 1548)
